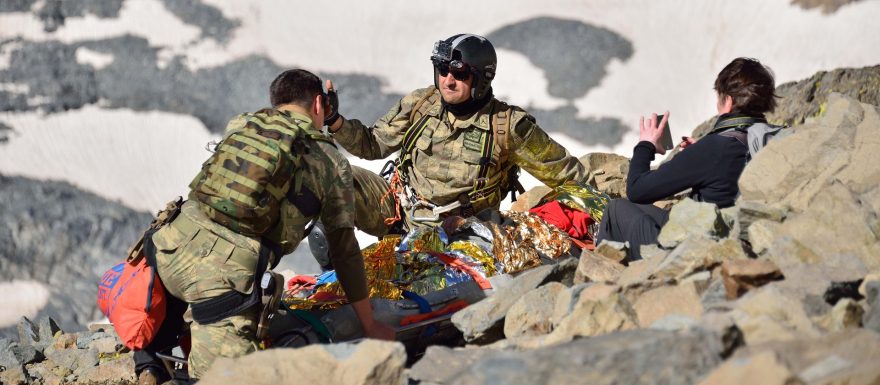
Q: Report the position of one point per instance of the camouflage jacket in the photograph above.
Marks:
(325, 172)
(446, 157)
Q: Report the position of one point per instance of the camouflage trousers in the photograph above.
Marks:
(370, 209)
(196, 264)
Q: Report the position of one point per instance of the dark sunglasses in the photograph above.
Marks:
(459, 70)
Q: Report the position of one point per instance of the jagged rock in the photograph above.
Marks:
(762, 368)
(841, 290)
(846, 357)
(106, 345)
(695, 254)
(873, 280)
(65, 238)
(762, 233)
(594, 315)
(631, 357)
(370, 362)
(772, 314)
(13, 376)
(689, 218)
(871, 319)
(28, 333)
(607, 172)
(440, 364)
(715, 296)
(531, 314)
(809, 274)
(117, 371)
(483, 321)
(67, 341)
(84, 339)
(845, 314)
(743, 275)
(530, 198)
(659, 302)
(640, 271)
(820, 173)
(807, 98)
(615, 251)
(73, 361)
(595, 268)
(568, 299)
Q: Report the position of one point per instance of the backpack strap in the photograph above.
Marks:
(419, 117)
(740, 136)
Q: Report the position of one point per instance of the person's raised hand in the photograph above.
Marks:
(650, 131)
(331, 106)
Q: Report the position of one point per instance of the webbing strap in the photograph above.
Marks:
(150, 255)
(736, 123)
(486, 150)
(424, 305)
(410, 137)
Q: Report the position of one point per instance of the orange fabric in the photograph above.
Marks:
(133, 298)
(574, 222)
(450, 308)
(481, 281)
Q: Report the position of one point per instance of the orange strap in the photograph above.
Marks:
(450, 308)
(462, 266)
(393, 186)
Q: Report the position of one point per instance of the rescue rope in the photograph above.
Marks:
(394, 185)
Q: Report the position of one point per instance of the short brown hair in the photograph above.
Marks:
(750, 84)
(296, 86)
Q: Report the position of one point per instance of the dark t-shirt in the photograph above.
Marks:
(710, 167)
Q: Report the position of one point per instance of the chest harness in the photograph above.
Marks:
(494, 143)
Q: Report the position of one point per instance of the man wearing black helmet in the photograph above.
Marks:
(459, 148)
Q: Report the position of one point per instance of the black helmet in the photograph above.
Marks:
(471, 51)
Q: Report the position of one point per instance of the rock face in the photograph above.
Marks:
(46, 354)
(634, 357)
(688, 219)
(823, 175)
(483, 322)
(807, 98)
(55, 233)
(370, 362)
(607, 172)
(532, 313)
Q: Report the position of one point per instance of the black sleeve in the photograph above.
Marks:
(686, 170)
(348, 262)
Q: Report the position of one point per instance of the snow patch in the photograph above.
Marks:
(95, 59)
(21, 298)
(143, 159)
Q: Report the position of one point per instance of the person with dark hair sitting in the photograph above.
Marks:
(709, 167)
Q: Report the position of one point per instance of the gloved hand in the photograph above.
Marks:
(331, 105)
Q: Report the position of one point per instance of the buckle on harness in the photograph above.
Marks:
(272, 284)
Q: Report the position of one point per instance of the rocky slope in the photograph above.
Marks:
(59, 235)
(782, 288)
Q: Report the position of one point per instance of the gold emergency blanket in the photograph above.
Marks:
(579, 196)
(419, 262)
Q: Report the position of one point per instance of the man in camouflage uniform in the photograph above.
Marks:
(457, 144)
(199, 259)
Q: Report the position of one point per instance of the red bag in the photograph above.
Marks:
(133, 298)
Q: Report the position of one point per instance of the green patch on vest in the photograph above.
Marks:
(473, 140)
